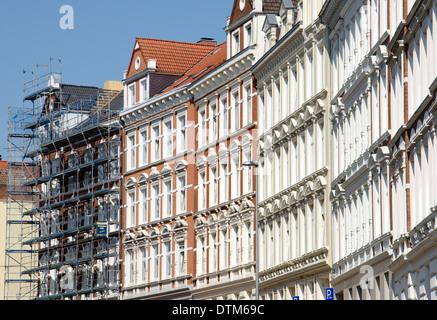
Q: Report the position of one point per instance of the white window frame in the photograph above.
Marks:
(156, 199)
(182, 131)
(155, 263)
(132, 95)
(248, 35)
(236, 40)
(142, 264)
(181, 256)
(167, 255)
(168, 195)
(213, 118)
(224, 123)
(202, 192)
(130, 150)
(168, 137)
(235, 174)
(236, 109)
(247, 104)
(144, 89)
(131, 216)
(130, 266)
(144, 155)
(144, 204)
(202, 132)
(156, 142)
(182, 192)
(213, 184)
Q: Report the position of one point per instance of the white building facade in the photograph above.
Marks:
(360, 131)
(414, 151)
(293, 153)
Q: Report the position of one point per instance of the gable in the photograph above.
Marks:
(136, 54)
(237, 13)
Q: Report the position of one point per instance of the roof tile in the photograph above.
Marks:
(171, 56)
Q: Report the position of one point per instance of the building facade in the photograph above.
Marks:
(360, 130)
(159, 169)
(294, 157)
(413, 149)
(75, 151)
(151, 193)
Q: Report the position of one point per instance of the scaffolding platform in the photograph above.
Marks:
(64, 151)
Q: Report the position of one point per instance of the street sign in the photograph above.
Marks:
(296, 298)
(329, 293)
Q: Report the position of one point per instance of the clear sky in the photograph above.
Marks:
(99, 47)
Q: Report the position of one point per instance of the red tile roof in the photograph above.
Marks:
(211, 61)
(171, 56)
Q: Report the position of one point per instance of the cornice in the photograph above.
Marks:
(228, 71)
(155, 105)
(282, 50)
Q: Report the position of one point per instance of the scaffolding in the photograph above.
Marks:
(69, 150)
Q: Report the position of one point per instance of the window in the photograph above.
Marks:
(235, 186)
(213, 186)
(247, 35)
(131, 151)
(247, 183)
(202, 128)
(181, 257)
(224, 184)
(309, 78)
(182, 138)
(155, 262)
(131, 197)
(156, 200)
(249, 243)
(167, 259)
(144, 155)
(236, 115)
(247, 105)
(225, 121)
(235, 42)
(224, 249)
(144, 205)
(130, 267)
(310, 151)
(214, 123)
(182, 193)
(143, 254)
(213, 250)
(201, 258)
(168, 198)
(88, 155)
(235, 259)
(132, 95)
(202, 191)
(284, 96)
(144, 87)
(168, 150)
(156, 139)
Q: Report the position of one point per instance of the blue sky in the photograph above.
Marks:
(99, 47)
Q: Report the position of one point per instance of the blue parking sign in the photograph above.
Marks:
(329, 293)
(296, 298)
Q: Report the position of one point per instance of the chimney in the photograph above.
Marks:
(207, 41)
